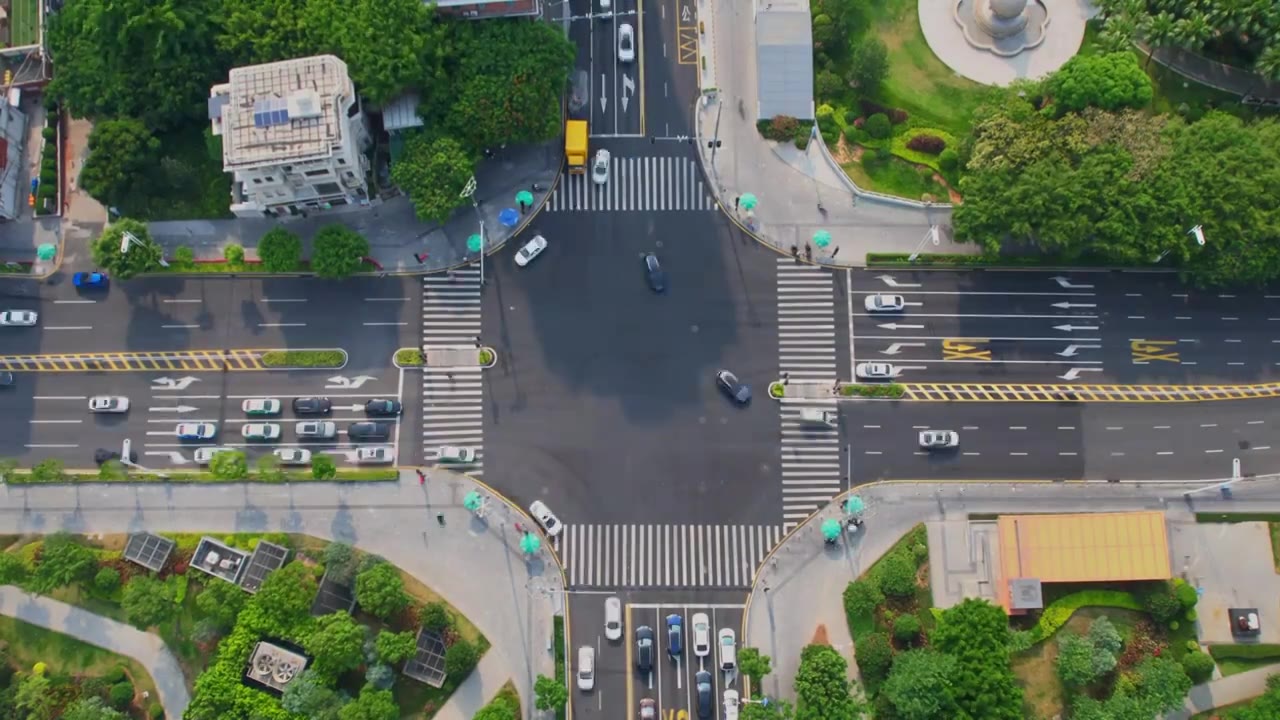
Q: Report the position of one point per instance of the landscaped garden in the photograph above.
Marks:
(211, 625)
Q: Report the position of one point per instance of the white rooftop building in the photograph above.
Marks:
(293, 135)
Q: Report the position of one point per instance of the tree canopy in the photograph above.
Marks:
(1111, 82)
(148, 601)
(338, 252)
(822, 686)
(919, 686)
(380, 590)
(336, 643)
(433, 171)
(139, 259)
(221, 601)
(279, 250)
(976, 634)
(63, 562)
(372, 704)
(120, 152)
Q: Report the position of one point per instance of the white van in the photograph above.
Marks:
(728, 649)
(586, 668)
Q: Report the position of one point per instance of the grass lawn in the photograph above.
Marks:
(188, 181)
(895, 177)
(29, 644)
(24, 25)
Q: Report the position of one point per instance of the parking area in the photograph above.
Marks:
(1231, 565)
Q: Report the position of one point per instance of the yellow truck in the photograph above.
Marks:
(575, 146)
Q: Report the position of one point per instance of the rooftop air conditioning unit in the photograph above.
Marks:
(304, 105)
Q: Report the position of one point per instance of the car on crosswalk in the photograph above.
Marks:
(261, 406)
(108, 404)
(531, 250)
(881, 302)
(455, 455)
(18, 318)
(874, 371)
(600, 168)
(939, 439)
(547, 519)
(260, 431)
(316, 429)
(292, 456)
(195, 431)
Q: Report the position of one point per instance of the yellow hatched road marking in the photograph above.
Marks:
(201, 360)
(1028, 392)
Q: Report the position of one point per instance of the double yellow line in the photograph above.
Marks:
(190, 360)
(1015, 392)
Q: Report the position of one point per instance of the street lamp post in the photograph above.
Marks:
(126, 449)
(469, 192)
(932, 234)
(127, 239)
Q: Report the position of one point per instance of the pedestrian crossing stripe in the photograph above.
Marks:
(811, 461)
(451, 308)
(1032, 392)
(806, 322)
(664, 556)
(635, 183)
(452, 398)
(186, 360)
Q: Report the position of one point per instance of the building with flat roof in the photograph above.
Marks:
(293, 137)
(1083, 547)
(488, 8)
(784, 59)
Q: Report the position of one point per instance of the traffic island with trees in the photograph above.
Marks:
(355, 645)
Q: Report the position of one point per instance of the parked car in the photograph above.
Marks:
(89, 280)
(644, 648)
(375, 455)
(293, 456)
(586, 668)
(874, 371)
(261, 406)
(383, 408)
(702, 687)
(261, 431)
(653, 273)
(366, 430)
(675, 635)
(701, 635)
(730, 704)
(737, 390)
(728, 649)
(612, 618)
(203, 455)
(18, 318)
(108, 404)
(884, 303)
(547, 519)
(316, 429)
(939, 439)
(195, 431)
(648, 709)
(626, 42)
(531, 250)
(600, 167)
(312, 405)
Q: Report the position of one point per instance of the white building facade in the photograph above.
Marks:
(293, 137)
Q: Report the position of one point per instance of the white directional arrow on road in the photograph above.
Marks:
(175, 457)
(341, 382)
(1074, 373)
(896, 326)
(169, 383)
(1068, 305)
(896, 348)
(604, 90)
(1071, 350)
(1069, 328)
(178, 409)
(1068, 284)
(888, 280)
(628, 85)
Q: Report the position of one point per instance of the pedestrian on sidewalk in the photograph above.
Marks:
(736, 200)
(422, 477)
(420, 257)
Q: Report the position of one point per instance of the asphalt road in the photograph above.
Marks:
(671, 683)
(1103, 327)
(604, 403)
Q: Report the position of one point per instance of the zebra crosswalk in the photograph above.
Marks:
(452, 397)
(810, 460)
(635, 183)
(664, 556)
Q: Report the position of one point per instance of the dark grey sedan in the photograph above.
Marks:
(737, 390)
(653, 272)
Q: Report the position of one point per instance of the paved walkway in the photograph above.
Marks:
(799, 587)
(474, 564)
(1225, 691)
(1214, 74)
(149, 650)
(800, 192)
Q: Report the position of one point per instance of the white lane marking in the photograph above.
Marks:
(49, 445)
(984, 337)
(1180, 295)
(74, 302)
(68, 327)
(60, 397)
(1181, 317)
(1256, 422)
(1232, 340)
(1231, 363)
(182, 300)
(1072, 316)
(972, 453)
(1017, 427)
(969, 427)
(1115, 427)
(271, 300)
(1161, 427)
(1230, 318)
(1018, 453)
(178, 327)
(1262, 447)
(874, 452)
(55, 422)
(387, 299)
(1117, 454)
(871, 427)
(1068, 454)
(1226, 296)
(1066, 427)
(1165, 452)
(1210, 452)
(1137, 317)
(376, 324)
(1205, 425)
(282, 324)
(919, 427)
(1133, 294)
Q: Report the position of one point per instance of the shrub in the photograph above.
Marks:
(877, 126)
(896, 575)
(850, 117)
(931, 144)
(875, 657)
(1193, 646)
(1174, 624)
(1191, 616)
(435, 616)
(1198, 666)
(948, 160)
(114, 675)
(49, 133)
(48, 177)
(1020, 640)
(870, 157)
(121, 694)
(1162, 605)
(184, 255)
(906, 629)
(871, 107)
(827, 85)
(1061, 610)
(920, 552)
(233, 254)
(897, 116)
(1185, 593)
(782, 127)
(155, 711)
(49, 164)
(107, 580)
(460, 659)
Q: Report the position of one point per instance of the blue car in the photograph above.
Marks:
(89, 280)
(675, 635)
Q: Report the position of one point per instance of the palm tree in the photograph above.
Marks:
(1268, 63)
(1158, 31)
(1193, 31)
(1118, 32)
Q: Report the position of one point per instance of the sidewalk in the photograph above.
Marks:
(800, 192)
(149, 650)
(1225, 691)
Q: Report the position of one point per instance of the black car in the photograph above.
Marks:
(6, 379)
(644, 648)
(368, 431)
(102, 455)
(702, 683)
(383, 408)
(737, 390)
(653, 271)
(312, 406)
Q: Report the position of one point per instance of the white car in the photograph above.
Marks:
(701, 634)
(322, 429)
(626, 42)
(375, 455)
(600, 168)
(261, 406)
(531, 250)
(884, 303)
(612, 618)
(606, 7)
(260, 431)
(203, 455)
(108, 404)
(546, 518)
(195, 431)
(293, 456)
(874, 371)
(728, 649)
(939, 439)
(586, 668)
(730, 704)
(455, 455)
(18, 318)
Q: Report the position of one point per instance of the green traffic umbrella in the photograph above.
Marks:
(854, 505)
(472, 501)
(530, 543)
(47, 251)
(748, 201)
(822, 238)
(524, 197)
(474, 243)
(830, 529)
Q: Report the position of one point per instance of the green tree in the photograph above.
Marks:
(269, 468)
(1198, 666)
(775, 710)
(868, 63)
(822, 686)
(338, 252)
(1161, 684)
(861, 598)
(380, 591)
(502, 707)
(106, 250)
(372, 704)
(976, 634)
(153, 60)
(432, 172)
(920, 685)
(310, 696)
(906, 628)
(340, 562)
(1110, 81)
(91, 708)
(460, 659)
(49, 470)
(253, 32)
(229, 465)
(323, 467)
(551, 694)
(283, 602)
(436, 616)
(107, 580)
(280, 250)
(875, 656)
(896, 575)
(408, 51)
(12, 570)
(147, 602)
(1075, 661)
(754, 665)
(337, 644)
(221, 601)
(36, 697)
(393, 648)
(877, 126)
(63, 562)
(121, 153)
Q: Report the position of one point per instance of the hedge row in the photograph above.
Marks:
(1061, 610)
(304, 358)
(891, 390)
(1245, 652)
(22, 477)
(983, 260)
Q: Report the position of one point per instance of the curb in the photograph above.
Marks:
(493, 357)
(781, 388)
(484, 348)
